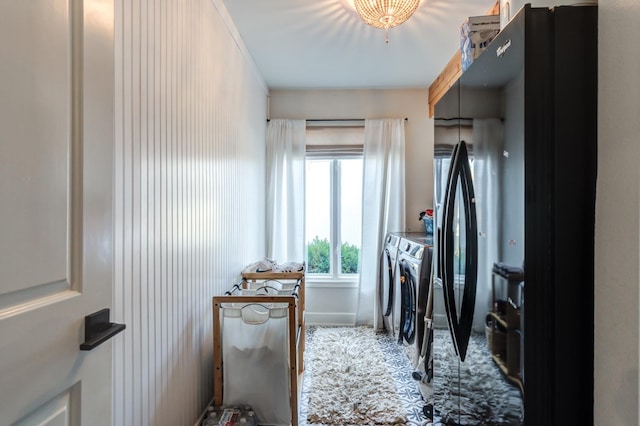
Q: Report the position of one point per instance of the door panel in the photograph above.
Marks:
(56, 162)
(57, 412)
(35, 148)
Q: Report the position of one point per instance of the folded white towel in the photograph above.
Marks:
(263, 265)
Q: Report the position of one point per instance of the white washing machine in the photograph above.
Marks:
(412, 285)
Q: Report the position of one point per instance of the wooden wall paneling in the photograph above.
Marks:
(190, 120)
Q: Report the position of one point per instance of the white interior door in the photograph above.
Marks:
(56, 167)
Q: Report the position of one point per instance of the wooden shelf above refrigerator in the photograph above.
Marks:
(451, 72)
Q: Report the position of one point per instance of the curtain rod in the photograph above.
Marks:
(335, 119)
(459, 118)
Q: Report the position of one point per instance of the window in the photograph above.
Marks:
(333, 202)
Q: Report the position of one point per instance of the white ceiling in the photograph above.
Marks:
(324, 44)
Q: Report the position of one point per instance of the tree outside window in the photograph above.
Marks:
(333, 216)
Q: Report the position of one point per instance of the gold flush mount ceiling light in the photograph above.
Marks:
(385, 14)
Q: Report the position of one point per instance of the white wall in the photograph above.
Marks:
(617, 216)
(336, 304)
(189, 198)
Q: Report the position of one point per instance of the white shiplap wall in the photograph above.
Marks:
(189, 198)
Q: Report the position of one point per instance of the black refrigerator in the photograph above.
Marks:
(515, 153)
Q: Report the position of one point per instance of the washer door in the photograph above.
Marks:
(408, 280)
(386, 286)
(388, 281)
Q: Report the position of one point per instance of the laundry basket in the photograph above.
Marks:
(255, 352)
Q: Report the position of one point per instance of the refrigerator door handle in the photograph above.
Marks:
(460, 327)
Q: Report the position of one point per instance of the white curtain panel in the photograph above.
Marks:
(487, 151)
(285, 185)
(383, 206)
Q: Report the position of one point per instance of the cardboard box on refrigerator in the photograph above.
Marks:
(475, 35)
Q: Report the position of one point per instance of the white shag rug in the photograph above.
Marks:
(351, 384)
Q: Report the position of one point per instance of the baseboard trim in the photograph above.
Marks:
(330, 318)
